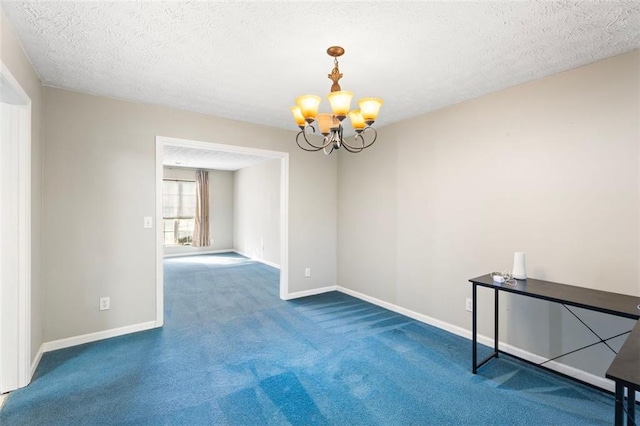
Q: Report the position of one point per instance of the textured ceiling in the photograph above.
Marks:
(248, 61)
(208, 159)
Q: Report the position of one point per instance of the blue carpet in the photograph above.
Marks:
(232, 353)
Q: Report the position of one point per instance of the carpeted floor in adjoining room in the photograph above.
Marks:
(232, 353)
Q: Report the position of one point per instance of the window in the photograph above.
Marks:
(178, 210)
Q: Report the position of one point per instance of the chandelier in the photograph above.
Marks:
(330, 125)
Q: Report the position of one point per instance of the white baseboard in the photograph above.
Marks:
(312, 292)
(36, 361)
(257, 259)
(415, 315)
(266, 262)
(93, 337)
(576, 373)
(195, 253)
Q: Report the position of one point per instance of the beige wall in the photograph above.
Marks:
(16, 61)
(100, 182)
(549, 168)
(257, 211)
(220, 209)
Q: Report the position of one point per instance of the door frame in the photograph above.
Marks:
(161, 142)
(15, 347)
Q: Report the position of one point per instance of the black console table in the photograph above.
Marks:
(625, 369)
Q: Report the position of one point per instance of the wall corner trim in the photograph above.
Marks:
(94, 337)
(312, 292)
(36, 361)
(266, 262)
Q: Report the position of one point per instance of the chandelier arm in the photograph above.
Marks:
(304, 134)
(351, 148)
(355, 149)
(325, 150)
(325, 141)
(375, 137)
(314, 149)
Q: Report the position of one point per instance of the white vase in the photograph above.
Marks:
(519, 269)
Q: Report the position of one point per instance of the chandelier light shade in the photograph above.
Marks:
(370, 108)
(340, 103)
(329, 125)
(327, 122)
(297, 114)
(357, 121)
(308, 105)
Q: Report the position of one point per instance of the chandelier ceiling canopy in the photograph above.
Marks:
(330, 125)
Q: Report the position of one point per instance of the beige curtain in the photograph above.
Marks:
(201, 231)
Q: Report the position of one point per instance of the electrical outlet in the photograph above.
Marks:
(307, 272)
(105, 303)
(468, 305)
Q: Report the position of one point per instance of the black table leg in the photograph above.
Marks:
(495, 326)
(474, 332)
(619, 404)
(631, 405)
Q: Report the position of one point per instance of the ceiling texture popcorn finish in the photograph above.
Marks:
(248, 61)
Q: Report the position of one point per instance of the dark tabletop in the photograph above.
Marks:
(602, 301)
(626, 365)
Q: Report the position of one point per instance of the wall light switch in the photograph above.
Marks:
(148, 222)
(307, 272)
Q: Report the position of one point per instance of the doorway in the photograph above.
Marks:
(161, 143)
(15, 227)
